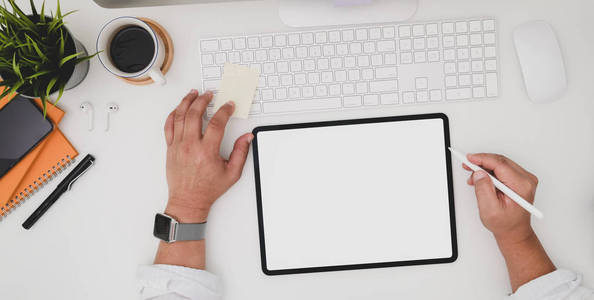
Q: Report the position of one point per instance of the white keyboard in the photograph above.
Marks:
(367, 66)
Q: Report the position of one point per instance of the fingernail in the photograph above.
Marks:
(250, 138)
(479, 175)
(194, 91)
(208, 93)
(230, 103)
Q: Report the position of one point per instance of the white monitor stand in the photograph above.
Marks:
(309, 13)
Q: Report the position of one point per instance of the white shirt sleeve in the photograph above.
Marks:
(166, 282)
(557, 285)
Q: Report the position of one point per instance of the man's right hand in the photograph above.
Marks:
(507, 220)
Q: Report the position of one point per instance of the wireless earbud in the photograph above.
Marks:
(111, 108)
(87, 108)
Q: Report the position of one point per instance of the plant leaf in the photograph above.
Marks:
(50, 85)
(33, 9)
(61, 50)
(68, 58)
(42, 17)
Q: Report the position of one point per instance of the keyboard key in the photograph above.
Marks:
(261, 55)
(304, 105)
(234, 57)
(384, 73)
(418, 30)
(433, 56)
(280, 40)
(336, 62)
(367, 74)
(295, 66)
(449, 41)
(420, 57)
(334, 36)
(286, 80)
(478, 92)
(294, 39)
(458, 94)
(361, 88)
(478, 79)
(294, 92)
(356, 48)
(328, 50)
(386, 46)
(369, 47)
(321, 37)
(451, 81)
(375, 33)
(405, 45)
(492, 85)
(313, 78)
(432, 43)
(209, 46)
(220, 58)
(352, 101)
(475, 26)
(342, 49)
(476, 52)
(226, 44)
(464, 80)
(389, 32)
(489, 38)
(327, 77)
(350, 62)
(354, 75)
(308, 92)
(490, 52)
(419, 44)
(449, 68)
(267, 95)
(239, 44)
(463, 67)
(323, 64)
(273, 81)
(256, 67)
(266, 41)
(253, 42)
(273, 54)
(268, 68)
(491, 65)
(477, 66)
(461, 27)
(307, 38)
(207, 59)
(422, 96)
(406, 58)
(370, 100)
(432, 29)
(281, 93)
(383, 86)
(435, 95)
(288, 53)
(361, 34)
(462, 40)
(408, 97)
(476, 39)
(256, 108)
(363, 61)
(447, 28)
(334, 90)
(449, 54)
(489, 25)
(463, 53)
(340, 75)
(301, 52)
(404, 31)
(309, 65)
(247, 56)
(282, 67)
(321, 91)
(390, 58)
(377, 60)
(211, 72)
(315, 51)
(391, 98)
(421, 83)
(211, 85)
(348, 89)
(348, 35)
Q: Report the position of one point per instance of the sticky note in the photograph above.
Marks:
(238, 85)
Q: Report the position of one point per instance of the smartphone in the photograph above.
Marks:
(22, 127)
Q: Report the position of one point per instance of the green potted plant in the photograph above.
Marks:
(39, 56)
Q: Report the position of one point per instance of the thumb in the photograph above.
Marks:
(485, 192)
(239, 155)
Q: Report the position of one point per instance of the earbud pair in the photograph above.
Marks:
(87, 108)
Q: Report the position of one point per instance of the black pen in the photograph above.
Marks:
(64, 186)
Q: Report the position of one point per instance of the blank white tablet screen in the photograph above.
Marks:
(354, 194)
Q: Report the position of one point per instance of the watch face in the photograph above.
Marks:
(162, 227)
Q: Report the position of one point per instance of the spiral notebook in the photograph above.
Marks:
(49, 158)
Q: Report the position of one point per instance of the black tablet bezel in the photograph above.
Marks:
(441, 116)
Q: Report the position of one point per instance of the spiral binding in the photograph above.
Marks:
(43, 179)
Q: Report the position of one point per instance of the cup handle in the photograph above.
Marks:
(157, 76)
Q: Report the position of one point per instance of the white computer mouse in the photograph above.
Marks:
(541, 61)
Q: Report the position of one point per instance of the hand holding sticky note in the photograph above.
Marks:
(238, 85)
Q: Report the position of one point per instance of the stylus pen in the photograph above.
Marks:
(64, 186)
(500, 186)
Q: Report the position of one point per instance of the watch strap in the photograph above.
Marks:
(190, 232)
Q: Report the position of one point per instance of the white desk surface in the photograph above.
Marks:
(89, 244)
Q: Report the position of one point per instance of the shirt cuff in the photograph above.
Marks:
(168, 281)
(556, 285)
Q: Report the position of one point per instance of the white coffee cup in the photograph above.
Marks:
(108, 32)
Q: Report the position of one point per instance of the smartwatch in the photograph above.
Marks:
(169, 230)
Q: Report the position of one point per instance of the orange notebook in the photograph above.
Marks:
(39, 166)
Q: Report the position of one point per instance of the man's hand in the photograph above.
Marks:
(197, 175)
(500, 214)
(525, 257)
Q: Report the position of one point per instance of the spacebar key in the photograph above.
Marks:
(304, 105)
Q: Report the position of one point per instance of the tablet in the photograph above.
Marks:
(354, 194)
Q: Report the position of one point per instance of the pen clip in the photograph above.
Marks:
(79, 175)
